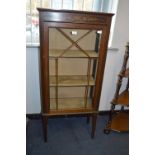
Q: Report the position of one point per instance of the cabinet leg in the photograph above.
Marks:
(94, 118)
(45, 120)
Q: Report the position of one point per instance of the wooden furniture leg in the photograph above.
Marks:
(94, 118)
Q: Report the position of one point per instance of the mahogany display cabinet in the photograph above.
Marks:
(73, 49)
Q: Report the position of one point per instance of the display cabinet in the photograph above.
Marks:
(73, 49)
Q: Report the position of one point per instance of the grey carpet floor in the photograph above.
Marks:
(71, 136)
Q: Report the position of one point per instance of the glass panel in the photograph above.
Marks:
(70, 104)
(73, 39)
(73, 55)
(66, 67)
(67, 92)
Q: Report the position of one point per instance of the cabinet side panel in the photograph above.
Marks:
(44, 67)
(101, 65)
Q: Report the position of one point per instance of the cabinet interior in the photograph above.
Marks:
(73, 59)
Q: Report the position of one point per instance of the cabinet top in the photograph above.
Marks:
(72, 16)
(74, 11)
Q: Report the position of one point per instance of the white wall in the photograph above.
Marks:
(115, 59)
(121, 30)
(112, 68)
(32, 81)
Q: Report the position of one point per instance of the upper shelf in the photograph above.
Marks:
(72, 54)
(71, 80)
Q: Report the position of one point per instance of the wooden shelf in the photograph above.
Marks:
(72, 80)
(70, 112)
(120, 122)
(123, 98)
(70, 104)
(72, 54)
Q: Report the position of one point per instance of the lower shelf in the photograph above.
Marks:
(120, 122)
(70, 104)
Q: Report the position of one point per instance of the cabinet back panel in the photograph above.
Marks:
(59, 41)
(71, 66)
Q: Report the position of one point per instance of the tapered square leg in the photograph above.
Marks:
(94, 118)
(45, 121)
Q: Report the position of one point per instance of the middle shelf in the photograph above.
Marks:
(71, 80)
(71, 103)
(72, 54)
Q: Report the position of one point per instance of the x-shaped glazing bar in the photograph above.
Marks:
(73, 42)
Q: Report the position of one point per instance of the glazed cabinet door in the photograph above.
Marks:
(72, 61)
